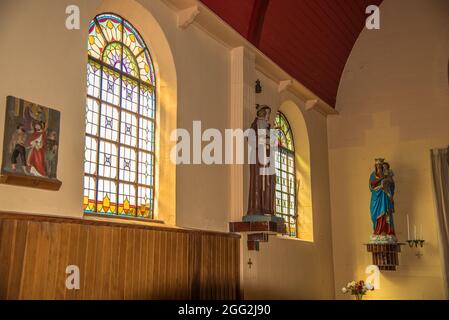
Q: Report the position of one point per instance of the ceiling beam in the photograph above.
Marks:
(256, 23)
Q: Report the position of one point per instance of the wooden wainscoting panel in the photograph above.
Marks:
(6, 255)
(17, 261)
(115, 260)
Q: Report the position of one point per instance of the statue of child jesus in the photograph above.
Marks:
(388, 182)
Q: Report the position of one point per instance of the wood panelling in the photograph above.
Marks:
(116, 260)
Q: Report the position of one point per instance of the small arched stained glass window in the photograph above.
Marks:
(286, 175)
(120, 121)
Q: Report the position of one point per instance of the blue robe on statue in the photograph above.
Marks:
(382, 206)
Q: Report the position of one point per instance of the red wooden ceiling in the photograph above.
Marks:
(309, 39)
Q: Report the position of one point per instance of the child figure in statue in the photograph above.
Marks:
(387, 181)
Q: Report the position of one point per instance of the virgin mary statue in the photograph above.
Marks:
(382, 188)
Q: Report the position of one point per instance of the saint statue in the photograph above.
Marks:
(382, 188)
(262, 184)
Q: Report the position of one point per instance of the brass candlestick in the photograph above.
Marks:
(415, 243)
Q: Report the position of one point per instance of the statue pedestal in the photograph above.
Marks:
(258, 227)
(385, 256)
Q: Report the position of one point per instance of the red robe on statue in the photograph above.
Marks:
(36, 156)
(384, 225)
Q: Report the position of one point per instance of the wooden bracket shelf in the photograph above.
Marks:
(385, 256)
(31, 182)
(257, 226)
(258, 231)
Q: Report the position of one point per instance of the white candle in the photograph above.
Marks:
(416, 236)
(408, 228)
(420, 233)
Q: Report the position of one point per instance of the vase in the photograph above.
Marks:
(358, 297)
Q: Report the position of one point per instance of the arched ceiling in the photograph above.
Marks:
(309, 39)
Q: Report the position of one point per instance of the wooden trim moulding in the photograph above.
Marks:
(154, 226)
(119, 218)
(31, 182)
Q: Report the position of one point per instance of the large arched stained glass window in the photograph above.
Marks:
(286, 175)
(120, 121)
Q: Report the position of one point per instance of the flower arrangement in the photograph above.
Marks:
(357, 289)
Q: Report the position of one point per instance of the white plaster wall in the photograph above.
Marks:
(394, 103)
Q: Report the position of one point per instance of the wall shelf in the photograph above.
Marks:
(31, 182)
(385, 256)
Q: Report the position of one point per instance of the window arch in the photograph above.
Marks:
(286, 175)
(120, 121)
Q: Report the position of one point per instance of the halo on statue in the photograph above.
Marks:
(261, 110)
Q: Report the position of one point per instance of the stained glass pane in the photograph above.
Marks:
(285, 175)
(145, 169)
(284, 132)
(112, 55)
(89, 195)
(107, 161)
(127, 199)
(111, 26)
(90, 156)
(109, 120)
(93, 79)
(128, 129)
(147, 102)
(95, 42)
(129, 63)
(107, 196)
(132, 39)
(145, 201)
(92, 113)
(146, 134)
(127, 164)
(146, 67)
(130, 94)
(111, 87)
(120, 113)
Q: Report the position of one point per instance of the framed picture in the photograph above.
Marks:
(30, 145)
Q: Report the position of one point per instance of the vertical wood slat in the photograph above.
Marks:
(6, 251)
(116, 261)
(150, 265)
(156, 260)
(122, 264)
(30, 266)
(89, 268)
(17, 261)
(143, 267)
(107, 263)
(114, 292)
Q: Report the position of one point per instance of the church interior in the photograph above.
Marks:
(122, 176)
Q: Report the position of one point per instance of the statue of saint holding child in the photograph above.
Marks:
(382, 189)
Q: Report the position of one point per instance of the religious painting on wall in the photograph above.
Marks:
(31, 143)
